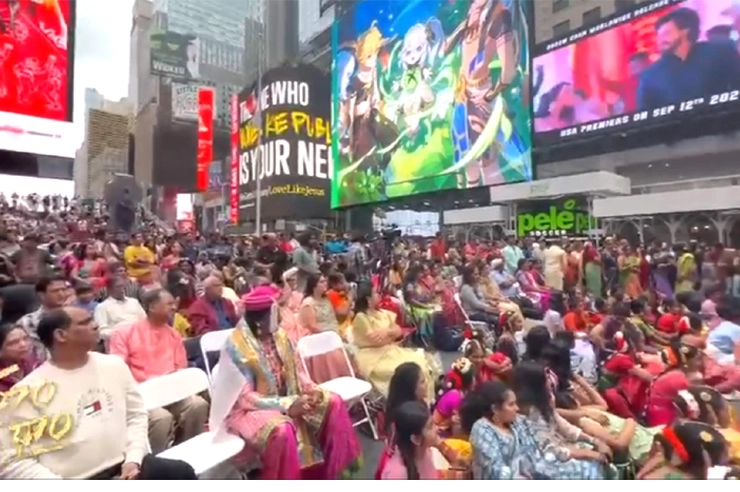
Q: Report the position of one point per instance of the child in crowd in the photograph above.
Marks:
(668, 322)
(488, 366)
(85, 297)
(414, 437)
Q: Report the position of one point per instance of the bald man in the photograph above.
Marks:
(211, 311)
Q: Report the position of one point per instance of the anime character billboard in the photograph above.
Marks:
(430, 95)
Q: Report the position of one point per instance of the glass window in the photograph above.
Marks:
(623, 5)
(558, 5)
(561, 29)
(592, 16)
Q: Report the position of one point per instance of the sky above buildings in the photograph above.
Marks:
(101, 52)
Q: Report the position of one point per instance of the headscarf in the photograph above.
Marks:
(229, 380)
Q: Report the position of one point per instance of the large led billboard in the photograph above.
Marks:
(429, 95)
(284, 137)
(664, 60)
(36, 76)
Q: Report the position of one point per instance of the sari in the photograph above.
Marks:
(661, 274)
(289, 317)
(421, 308)
(529, 287)
(629, 275)
(492, 291)
(592, 271)
(378, 363)
(573, 269)
(256, 384)
(624, 393)
(686, 273)
(660, 407)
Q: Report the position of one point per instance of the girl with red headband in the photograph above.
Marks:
(488, 366)
(685, 451)
(450, 393)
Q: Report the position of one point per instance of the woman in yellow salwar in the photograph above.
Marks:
(629, 272)
(376, 334)
(685, 270)
(292, 429)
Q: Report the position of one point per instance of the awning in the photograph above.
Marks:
(698, 200)
(600, 183)
(477, 215)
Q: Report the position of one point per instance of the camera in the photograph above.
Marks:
(389, 234)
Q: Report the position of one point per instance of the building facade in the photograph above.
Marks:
(219, 25)
(556, 18)
(107, 127)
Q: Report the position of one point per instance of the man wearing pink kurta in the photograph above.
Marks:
(152, 348)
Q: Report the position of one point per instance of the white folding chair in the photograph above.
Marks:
(349, 388)
(481, 325)
(204, 451)
(213, 341)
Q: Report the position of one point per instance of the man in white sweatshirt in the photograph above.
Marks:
(79, 415)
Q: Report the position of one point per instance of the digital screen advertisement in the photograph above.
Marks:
(36, 76)
(430, 95)
(667, 59)
(285, 139)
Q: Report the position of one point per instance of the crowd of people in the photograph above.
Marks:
(574, 361)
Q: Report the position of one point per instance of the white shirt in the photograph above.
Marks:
(112, 312)
(108, 414)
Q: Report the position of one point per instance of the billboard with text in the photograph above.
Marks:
(667, 59)
(175, 55)
(284, 141)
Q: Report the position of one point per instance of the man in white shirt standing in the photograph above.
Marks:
(117, 308)
(80, 414)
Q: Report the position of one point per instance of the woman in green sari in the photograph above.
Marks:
(591, 261)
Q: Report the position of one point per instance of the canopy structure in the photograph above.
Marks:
(505, 199)
(670, 202)
(596, 184)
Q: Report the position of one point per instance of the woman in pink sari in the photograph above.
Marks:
(290, 305)
(681, 361)
(530, 287)
(292, 429)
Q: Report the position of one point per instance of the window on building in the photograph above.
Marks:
(592, 16)
(561, 29)
(623, 5)
(558, 5)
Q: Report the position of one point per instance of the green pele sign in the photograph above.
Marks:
(560, 219)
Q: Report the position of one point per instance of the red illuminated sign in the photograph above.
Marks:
(205, 136)
(234, 168)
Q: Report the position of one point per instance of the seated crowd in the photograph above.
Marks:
(553, 382)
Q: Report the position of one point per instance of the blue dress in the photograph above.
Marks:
(502, 456)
